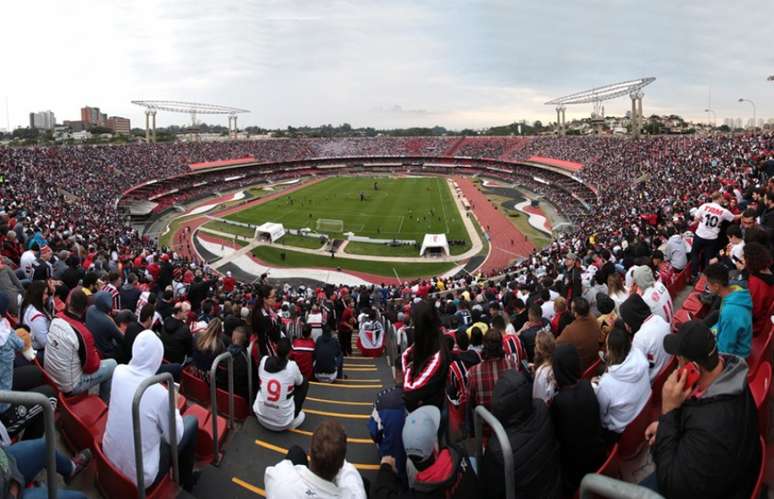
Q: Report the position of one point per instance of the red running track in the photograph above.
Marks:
(506, 241)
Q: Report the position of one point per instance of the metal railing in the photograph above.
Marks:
(159, 378)
(34, 398)
(250, 397)
(594, 484)
(217, 457)
(480, 416)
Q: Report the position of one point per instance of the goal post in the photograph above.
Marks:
(330, 225)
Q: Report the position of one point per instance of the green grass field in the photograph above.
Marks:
(400, 208)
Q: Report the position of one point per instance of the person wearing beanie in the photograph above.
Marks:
(607, 315)
(649, 331)
(653, 292)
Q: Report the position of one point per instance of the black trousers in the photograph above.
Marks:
(28, 418)
(345, 340)
(299, 396)
(702, 251)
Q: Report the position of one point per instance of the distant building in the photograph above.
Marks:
(90, 116)
(75, 126)
(119, 124)
(44, 120)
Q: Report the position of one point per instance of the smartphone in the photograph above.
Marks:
(690, 372)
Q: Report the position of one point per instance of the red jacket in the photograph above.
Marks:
(303, 354)
(762, 291)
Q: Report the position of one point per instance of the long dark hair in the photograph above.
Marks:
(427, 334)
(34, 297)
(262, 291)
(618, 345)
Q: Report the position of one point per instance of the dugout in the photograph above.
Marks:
(434, 245)
(269, 231)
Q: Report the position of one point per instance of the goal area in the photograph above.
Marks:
(330, 225)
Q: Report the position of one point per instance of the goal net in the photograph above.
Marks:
(330, 225)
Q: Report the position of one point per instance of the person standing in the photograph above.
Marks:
(705, 241)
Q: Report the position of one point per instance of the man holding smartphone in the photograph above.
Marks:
(705, 443)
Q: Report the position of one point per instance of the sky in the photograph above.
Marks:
(389, 64)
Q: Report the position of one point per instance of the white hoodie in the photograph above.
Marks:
(623, 391)
(118, 442)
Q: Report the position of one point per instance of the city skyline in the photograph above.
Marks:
(453, 64)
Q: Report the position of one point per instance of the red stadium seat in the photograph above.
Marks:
(241, 406)
(632, 439)
(760, 351)
(756, 494)
(592, 370)
(760, 385)
(658, 382)
(82, 420)
(701, 283)
(48, 379)
(681, 316)
(194, 387)
(111, 482)
(609, 468)
(204, 444)
(693, 305)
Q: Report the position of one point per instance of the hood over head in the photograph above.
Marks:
(634, 311)
(512, 398)
(566, 365)
(147, 353)
(103, 301)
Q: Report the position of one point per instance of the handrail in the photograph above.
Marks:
(35, 398)
(481, 415)
(158, 378)
(250, 347)
(594, 484)
(214, 400)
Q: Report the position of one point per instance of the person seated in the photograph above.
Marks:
(734, 326)
(385, 425)
(653, 292)
(760, 279)
(440, 472)
(370, 337)
(705, 443)
(238, 350)
(583, 332)
(177, 338)
(528, 425)
(649, 330)
(71, 357)
(562, 317)
(483, 376)
(303, 352)
(624, 389)
(575, 414)
(36, 312)
(207, 345)
(107, 337)
(328, 361)
(543, 385)
(326, 473)
(282, 391)
(25, 460)
(607, 315)
(118, 441)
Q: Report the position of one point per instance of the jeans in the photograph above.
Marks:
(186, 450)
(31, 458)
(101, 376)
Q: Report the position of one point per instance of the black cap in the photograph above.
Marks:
(124, 317)
(634, 311)
(693, 340)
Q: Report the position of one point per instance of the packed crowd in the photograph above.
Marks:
(101, 307)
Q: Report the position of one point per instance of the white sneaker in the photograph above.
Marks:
(298, 421)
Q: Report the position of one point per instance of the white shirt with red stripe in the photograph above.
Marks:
(658, 299)
(274, 406)
(650, 341)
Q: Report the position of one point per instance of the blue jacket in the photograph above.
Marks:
(386, 427)
(734, 326)
(107, 336)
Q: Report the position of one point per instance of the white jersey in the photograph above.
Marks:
(710, 216)
(658, 299)
(274, 406)
(650, 341)
(27, 263)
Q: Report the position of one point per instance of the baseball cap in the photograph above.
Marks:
(420, 432)
(124, 316)
(693, 340)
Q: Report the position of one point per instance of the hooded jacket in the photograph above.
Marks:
(709, 447)
(762, 292)
(734, 326)
(623, 391)
(531, 434)
(118, 441)
(178, 342)
(9, 345)
(107, 336)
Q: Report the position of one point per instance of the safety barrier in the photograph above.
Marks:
(593, 484)
(159, 378)
(217, 457)
(481, 416)
(250, 396)
(34, 398)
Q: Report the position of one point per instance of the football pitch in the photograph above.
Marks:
(390, 208)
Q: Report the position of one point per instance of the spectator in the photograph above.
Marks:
(531, 328)
(72, 276)
(282, 391)
(71, 358)
(177, 338)
(583, 332)
(615, 289)
(734, 326)
(575, 414)
(346, 325)
(441, 472)
(238, 349)
(370, 338)
(315, 320)
(624, 389)
(386, 425)
(608, 316)
(675, 252)
(562, 317)
(114, 281)
(483, 377)
(328, 360)
(129, 294)
(653, 292)
(705, 242)
(757, 263)
(303, 352)
(426, 362)
(326, 473)
(206, 346)
(130, 327)
(147, 353)
(265, 322)
(648, 330)
(527, 424)
(36, 312)
(10, 286)
(573, 286)
(544, 386)
(705, 443)
(107, 337)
